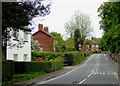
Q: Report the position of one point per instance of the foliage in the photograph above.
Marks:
(97, 40)
(70, 49)
(73, 58)
(46, 66)
(19, 15)
(110, 23)
(34, 45)
(57, 37)
(69, 42)
(44, 55)
(77, 39)
(25, 76)
(40, 59)
(60, 47)
(59, 42)
(87, 41)
(79, 21)
(7, 70)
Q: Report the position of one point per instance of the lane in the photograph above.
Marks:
(96, 70)
(103, 73)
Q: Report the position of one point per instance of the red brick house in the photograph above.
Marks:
(44, 38)
(95, 45)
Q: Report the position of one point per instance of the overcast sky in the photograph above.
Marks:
(62, 10)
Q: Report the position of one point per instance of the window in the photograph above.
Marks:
(25, 57)
(41, 49)
(92, 45)
(25, 36)
(96, 45)
(15, 57)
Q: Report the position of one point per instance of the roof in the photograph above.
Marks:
(42, 32)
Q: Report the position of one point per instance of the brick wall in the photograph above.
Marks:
(45, 41)
(94, 47)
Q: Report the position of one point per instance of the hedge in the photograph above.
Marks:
(47, 66)
(7, 70)
(44, 55)
(73, 58)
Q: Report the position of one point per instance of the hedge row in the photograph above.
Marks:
(44, 55)
(73, 58)
(47, 66)
(76, 57)
(7, 70)
(10, 67)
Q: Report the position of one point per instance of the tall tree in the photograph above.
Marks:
(16, 15)
(77, 39)
(110, 23)
(79, 21)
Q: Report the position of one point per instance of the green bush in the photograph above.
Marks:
(70, 49)
(73, 58)
(44, 55)
(7, 70)
(47, 66)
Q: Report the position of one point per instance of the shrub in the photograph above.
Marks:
(70, 49)
(44, 55)
(47, 66)
(7, 70)
(73, 58)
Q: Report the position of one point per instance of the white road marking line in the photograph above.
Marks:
(97, 73)
(89, 75)
(100, 73)
(108, 73)
(103, 73)
(111, 73)
(66, 73)
(106, 58)
(82, 81)
(116, 76)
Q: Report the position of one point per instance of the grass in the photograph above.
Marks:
(25, 76)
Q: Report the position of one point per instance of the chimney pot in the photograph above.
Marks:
(46, 29)
(40, 27)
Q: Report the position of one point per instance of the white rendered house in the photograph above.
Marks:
(19, 44)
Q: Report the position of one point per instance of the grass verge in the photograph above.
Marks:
(25, 76)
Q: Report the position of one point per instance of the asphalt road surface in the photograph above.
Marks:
(96, 70)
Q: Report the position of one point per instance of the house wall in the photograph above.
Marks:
(94, 47)
(45, 41)
(26, 49)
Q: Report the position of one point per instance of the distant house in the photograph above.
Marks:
(95, 45)
(19, 45)
(44, 38)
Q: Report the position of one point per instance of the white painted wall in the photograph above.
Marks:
(26, 49)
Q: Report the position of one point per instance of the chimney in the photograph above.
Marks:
(92, 38)
(46, 29)
(40, 27)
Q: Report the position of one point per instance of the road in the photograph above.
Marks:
(96, 70)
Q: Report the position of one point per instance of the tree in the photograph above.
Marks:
(35, 46)
(110, 23)
(87, 41)
(76, 38)
(79, 21)
(70, 42)
(59, 42)
(17, 15)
